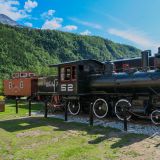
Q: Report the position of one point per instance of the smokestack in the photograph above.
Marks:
(157, 59)
(145, 59)
(158, 50)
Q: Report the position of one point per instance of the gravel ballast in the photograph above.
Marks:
(147, 129)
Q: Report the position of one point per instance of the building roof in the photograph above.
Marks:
(129, 59)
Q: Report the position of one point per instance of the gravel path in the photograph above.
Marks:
(147, 129)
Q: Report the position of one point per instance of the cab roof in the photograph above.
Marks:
(80, 62)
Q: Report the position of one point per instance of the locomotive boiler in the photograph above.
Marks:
(131, 79)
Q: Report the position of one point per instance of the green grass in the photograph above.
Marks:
(37, 138)
(22, 111)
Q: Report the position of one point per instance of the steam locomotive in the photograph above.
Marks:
(132, 91)
(124, 87)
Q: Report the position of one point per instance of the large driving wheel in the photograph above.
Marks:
(100, 108)
(155, 117)
(122, 109)
(74, 107)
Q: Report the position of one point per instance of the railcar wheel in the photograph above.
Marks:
(74, 107)
(100, 108)
(155, 117)
(122, 109)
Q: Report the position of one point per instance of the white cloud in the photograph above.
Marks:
(134, 36)
(55, 23)
(48, 14)
(85, 33)
(10, 8)
(29, 5)
(70, 27)
(85, 23)
(13, 2)
(28, 24)
(51, 12)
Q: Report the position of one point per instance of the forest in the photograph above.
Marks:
(27, 49)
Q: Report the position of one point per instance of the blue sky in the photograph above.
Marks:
(132, 22)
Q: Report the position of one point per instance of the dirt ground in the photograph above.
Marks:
(146, 149)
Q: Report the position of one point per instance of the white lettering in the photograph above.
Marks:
(63, 87)
(70, 87)
(49, 84)
(67, 87)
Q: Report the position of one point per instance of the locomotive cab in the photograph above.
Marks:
(68, 79)
(74, 76)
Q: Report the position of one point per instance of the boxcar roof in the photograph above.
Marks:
(77, 62)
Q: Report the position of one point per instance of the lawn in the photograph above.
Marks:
(37, 138)
(23, 109)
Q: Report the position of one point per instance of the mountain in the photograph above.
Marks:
(34, 49)
(6, 20)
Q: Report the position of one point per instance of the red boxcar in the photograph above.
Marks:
(21, 84)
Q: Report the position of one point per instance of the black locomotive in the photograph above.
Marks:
(134, 89)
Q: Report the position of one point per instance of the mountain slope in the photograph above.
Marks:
(6, 20)
(32, 49)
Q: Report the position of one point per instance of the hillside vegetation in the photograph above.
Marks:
(33, 49)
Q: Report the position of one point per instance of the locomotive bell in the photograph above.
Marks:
(145, 59)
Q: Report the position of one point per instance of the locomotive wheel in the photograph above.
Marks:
(74, 107)
(155, 117)
(100, 108)
(122, 108)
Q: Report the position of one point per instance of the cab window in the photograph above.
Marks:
(67, 73)
(62, 74)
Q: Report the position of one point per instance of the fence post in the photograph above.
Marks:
(91, 114)
(46, 109)
(29, 107)
(17, 105)
(66, 111)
